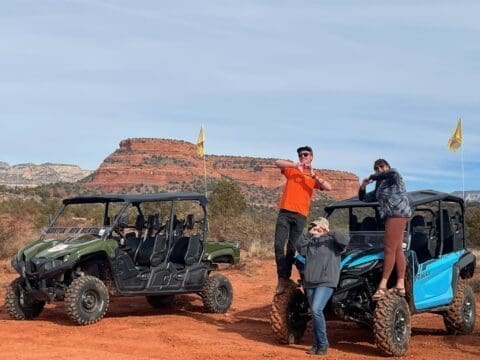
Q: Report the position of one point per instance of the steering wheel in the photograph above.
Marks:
(117, 230)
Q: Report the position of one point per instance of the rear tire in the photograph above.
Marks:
(217, 294)
(86, 300)
(460, 318)
(288, 317)
(391, 325)
(160, 301)
(18, 304)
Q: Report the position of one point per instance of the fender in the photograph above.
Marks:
(466, 264)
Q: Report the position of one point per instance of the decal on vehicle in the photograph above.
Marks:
(58, 247)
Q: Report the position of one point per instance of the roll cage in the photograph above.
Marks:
(436, 227)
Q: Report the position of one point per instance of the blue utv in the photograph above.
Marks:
(438, 268)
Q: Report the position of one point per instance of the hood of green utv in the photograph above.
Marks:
(45, 255)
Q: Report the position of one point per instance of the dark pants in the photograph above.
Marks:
(318, 298)
(288, 229)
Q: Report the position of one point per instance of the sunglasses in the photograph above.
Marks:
(378, 167)
(304, 154)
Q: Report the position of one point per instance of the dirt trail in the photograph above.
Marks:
(134, 330)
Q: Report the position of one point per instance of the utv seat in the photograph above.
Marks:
(160, 249)
(145, 249)
(419, 242)
(354, 225)
(179, 249)
(132, 241)
(368, 224)
(447, 231)
(186, 251)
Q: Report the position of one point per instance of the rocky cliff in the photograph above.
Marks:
(175, 165)
(31, 175)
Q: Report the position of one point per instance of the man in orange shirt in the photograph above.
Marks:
(294, 208)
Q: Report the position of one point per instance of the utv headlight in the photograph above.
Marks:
(47, 265)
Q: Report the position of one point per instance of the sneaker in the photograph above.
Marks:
(322, 349)
(313, 350)
(282, 285)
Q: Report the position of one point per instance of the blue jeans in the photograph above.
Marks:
(318, 298)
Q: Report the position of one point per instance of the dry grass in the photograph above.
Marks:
(475, 284)
(14, 234)
(254, 234)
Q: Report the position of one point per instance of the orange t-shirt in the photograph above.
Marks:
(298, 191)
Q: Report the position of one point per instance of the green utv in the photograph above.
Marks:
(126, 245)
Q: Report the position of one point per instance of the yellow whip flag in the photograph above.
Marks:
(201, 142)
(455, 141)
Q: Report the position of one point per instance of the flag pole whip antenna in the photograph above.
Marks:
(463, 167)
(205, 171)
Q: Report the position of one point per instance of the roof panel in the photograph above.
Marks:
(416, 198)
(168, 196)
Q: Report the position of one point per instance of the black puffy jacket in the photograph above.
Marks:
(390, 193)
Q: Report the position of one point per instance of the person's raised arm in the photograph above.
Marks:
(389, 174)
(321, 184)
(302, 244)
(282, 164)
(362, 192)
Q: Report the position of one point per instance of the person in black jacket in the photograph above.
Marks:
(321, 248)
(394, 208)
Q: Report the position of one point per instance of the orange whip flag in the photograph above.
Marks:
(201, 142)
(455, 141)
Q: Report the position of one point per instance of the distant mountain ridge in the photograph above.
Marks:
(170, 165)
(470, 195)
(33, 175)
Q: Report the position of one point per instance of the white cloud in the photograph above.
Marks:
(355, 80)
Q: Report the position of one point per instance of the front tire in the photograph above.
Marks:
(86, 300)
(288, 317)
(460, 318)
(19, 306)
(217, 294)
(391, 325)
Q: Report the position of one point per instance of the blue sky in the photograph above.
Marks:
(356, 80)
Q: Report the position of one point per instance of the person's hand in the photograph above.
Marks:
(366, 181)
(300, 166)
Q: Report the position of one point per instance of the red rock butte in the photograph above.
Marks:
(162, 162)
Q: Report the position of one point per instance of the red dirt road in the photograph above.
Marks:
(134, 330)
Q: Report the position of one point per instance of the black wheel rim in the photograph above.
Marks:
(221, 295)
(21, 297)
(468, 310)
(91, 301)
(400, 326)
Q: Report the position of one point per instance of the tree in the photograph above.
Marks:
(472, 215)
(227, 200)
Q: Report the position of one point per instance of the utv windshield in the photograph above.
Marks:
(363, 224)
(88, 221)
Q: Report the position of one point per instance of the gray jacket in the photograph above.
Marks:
(390, 193)
(322, 267)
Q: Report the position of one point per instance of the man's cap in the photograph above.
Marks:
(304, 148)
(321, 222)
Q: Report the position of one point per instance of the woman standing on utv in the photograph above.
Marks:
(322, 249)
(394, 209)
